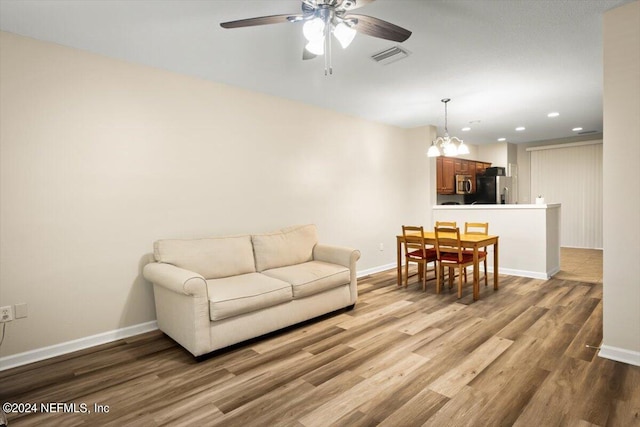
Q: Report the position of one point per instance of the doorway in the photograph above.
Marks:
(581, 265)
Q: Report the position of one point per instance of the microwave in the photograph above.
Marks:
(464, 184)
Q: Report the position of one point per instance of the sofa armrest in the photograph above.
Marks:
(344, 256)
(340, 255)
(176, 279)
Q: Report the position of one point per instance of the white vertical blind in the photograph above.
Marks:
(572, 175)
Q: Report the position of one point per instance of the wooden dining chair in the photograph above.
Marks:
(480, 228)
(418, 251)
(449, 224)
(450, 254)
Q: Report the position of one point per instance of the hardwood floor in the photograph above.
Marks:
(582, 265)
(402, 357)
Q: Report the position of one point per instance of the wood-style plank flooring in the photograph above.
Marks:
(402, 357)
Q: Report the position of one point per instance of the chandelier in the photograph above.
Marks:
(446, 143)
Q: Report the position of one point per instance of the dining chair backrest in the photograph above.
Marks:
(449, 224)
(481, 228)
(414, 240)
(448, 240)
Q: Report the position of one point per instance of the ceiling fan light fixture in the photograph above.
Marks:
(316, 47)
(313, 29)
(344, 33)
(321, 19)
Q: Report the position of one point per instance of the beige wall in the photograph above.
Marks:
(622, 183)
(496, 153)
(99, 158)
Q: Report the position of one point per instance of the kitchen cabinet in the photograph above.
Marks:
(446, 175)
(461, 166)
(482, 166)
(448, 167)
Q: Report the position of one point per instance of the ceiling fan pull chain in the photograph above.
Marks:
(329, 52)
(326, 54)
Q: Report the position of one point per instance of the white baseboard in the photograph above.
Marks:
(378, 269)
(507, 271)
(36, 355)
(524, 273)
(620, 355)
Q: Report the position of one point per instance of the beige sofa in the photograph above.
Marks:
(214, 292)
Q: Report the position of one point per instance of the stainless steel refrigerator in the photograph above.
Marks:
(494, 190)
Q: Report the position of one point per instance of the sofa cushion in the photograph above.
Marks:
(231, 296)
(291, 245)
(311, 277)
(212, 258)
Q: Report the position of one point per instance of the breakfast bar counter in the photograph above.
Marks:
(529, 234)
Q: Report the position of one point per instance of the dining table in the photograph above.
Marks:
(468, 241)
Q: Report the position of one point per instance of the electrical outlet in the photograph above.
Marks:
(6, 314)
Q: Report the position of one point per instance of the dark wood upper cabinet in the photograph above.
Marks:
(445, 175)
(448, 167)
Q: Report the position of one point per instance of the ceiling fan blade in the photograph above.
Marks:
(378, 28)
(354, 4)
(261, 20)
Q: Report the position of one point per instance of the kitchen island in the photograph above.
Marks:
(529, 235)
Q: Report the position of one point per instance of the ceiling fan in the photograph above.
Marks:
(321, 18)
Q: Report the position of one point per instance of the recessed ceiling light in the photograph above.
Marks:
(502, 139)
(520, 128)
(576, 129)
(466, 129)
(553, 114)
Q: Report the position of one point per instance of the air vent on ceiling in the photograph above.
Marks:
(390, 55)
(586, 132)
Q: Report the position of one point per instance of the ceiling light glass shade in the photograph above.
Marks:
(313, 30)
(449, 147)
(462, 148)
(434, 151)
(344, 34)
(316, 47)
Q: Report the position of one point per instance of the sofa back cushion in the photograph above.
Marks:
(289, 246)
(213, 258)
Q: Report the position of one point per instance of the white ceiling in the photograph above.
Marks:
(504, 63)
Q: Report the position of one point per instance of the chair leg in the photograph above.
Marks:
(485, 271)
(460, 285)
(406, 274)
(438, 276)
(451, 277)
(424, 277)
